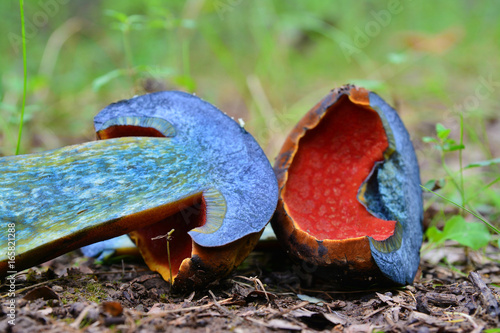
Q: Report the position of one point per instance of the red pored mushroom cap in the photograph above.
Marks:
(350, 202)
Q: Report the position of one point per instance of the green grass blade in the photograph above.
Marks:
(462, 207)
(483, 163)
(23, 33)
(460, 159)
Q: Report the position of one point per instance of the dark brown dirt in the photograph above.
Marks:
(72, 294)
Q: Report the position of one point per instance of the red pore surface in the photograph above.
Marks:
(332, 162)
(154, 248)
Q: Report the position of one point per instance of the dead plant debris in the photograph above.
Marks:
(264, 294)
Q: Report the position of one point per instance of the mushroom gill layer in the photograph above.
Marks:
(332, 162)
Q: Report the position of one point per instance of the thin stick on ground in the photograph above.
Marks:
(168, 237)
(487, 298)
(257, 283)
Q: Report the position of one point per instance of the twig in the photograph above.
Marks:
(411, 294)
(33, 286)
(298, 306)
(477, 328)
(168, 237)
(376, 311)
(192, 308)
(223, 310)
(18, 291)
(81, 316)
(190, 298)
(350, 291)
(256, 282)
(118, 272)
(488, 299)
(256, 321)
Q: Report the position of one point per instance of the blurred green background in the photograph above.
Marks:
(267, 62)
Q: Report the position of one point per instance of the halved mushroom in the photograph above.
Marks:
(184, 165)
(350, 205)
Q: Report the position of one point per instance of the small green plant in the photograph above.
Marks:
(125, 24)
(31, 276)
(444, 144)
(129, 23)
(473, 235)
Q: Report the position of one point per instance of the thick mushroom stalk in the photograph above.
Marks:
(185, 166)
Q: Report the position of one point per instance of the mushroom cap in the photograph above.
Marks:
(385, 210)
(223, 159)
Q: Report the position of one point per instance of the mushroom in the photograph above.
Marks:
(350, 205)
(166, 161)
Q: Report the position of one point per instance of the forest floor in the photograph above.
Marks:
(266, 293)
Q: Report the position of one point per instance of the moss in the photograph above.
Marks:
(94, 291)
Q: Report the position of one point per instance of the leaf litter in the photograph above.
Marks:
(266, 293)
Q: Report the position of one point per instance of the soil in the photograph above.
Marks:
(266, 293)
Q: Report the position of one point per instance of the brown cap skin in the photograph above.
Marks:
(346, 263)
